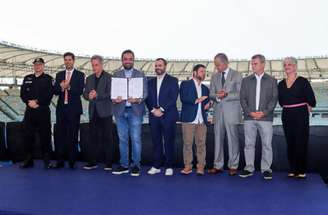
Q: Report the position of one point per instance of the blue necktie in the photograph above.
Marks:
(222, 79)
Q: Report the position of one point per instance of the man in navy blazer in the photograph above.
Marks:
(69, 86)
(163, 114)
(195, 102)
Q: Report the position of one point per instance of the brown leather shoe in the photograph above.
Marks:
(215, 171)
(232, 172)
(186, 171)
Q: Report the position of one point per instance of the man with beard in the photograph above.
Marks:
(163, 113)
(69, 86)
(195, 102)
(128, 117)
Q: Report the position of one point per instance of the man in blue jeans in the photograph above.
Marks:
(128, 116)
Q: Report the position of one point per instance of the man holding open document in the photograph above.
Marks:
(129, 90)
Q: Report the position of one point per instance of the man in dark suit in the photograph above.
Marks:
(163, 114)
(195, 102)
(97, 91)
(69, 86)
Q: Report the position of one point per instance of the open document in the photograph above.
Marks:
(124, 87)
(135, 88)
(119, 88)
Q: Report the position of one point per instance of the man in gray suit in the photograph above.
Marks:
(97, 92)
(258, 98)
(224, 92)
(128, 117)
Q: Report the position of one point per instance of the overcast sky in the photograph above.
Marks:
(173, 29)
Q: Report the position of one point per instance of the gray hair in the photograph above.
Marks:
(259, 56)
(222, 57)
(98, 58)
(290, 59)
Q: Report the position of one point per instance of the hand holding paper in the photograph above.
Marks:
(136, 87)
(119, 88)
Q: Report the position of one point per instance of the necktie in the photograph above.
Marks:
(222, 79)
(68, 78)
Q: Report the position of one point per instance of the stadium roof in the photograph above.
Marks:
(16, 61)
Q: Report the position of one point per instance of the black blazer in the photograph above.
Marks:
(102, 103)
(74, 94)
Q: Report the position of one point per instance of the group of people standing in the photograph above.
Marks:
(231, 96)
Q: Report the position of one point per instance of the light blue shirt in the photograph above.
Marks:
(128, 74)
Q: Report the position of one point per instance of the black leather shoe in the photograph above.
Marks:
(58, 165)
(47, 164)
(71, 164)
(27, 164)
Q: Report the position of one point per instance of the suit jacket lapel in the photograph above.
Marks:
(194, 87)
(100, 82)
(121, 74)
(153, 88)
(253, 89)
(203, 89)
(262, 93)
(133, 75)
(161, 88)
(219, 80)
(73, 75)
(229, 77)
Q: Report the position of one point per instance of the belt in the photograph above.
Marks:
(295, 105)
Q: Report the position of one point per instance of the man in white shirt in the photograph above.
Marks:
(195, 102)
(163, 114)
(258, 98)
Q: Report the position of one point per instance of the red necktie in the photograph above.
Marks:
(68, 78)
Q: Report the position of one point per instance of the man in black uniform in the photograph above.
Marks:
(36, 92)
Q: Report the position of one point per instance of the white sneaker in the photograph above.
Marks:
(169, 172)
(153, 171)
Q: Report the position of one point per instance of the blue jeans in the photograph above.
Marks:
(129, 124)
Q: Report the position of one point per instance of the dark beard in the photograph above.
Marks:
(161, 72)
(69, 68)
(199, 78)
(127, 67)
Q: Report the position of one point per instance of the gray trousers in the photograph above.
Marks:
(265, 129)
(221, 128)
